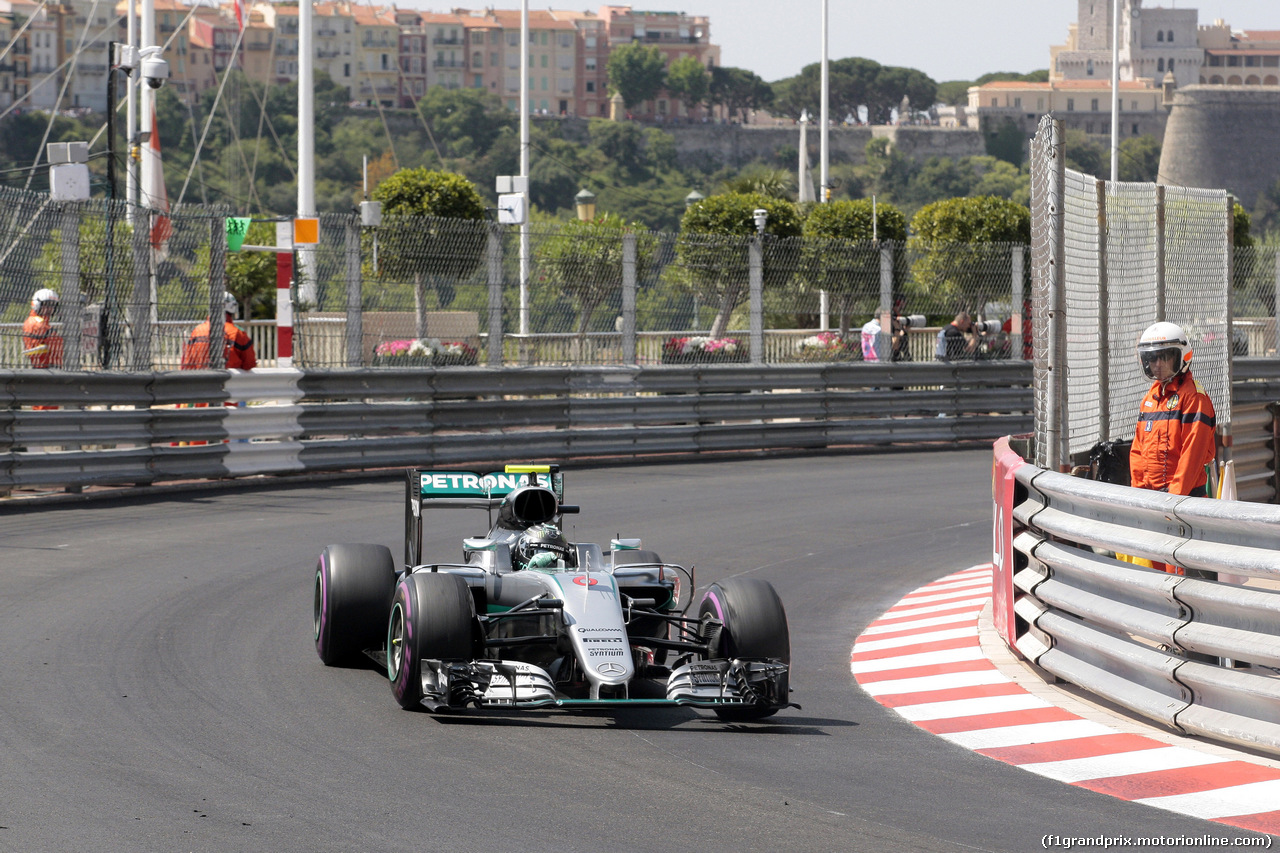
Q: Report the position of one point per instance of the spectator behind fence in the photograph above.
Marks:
(239, 349)
(954, 342)
(39, 343)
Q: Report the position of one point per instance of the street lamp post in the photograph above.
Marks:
(692, 198)
(585, 201)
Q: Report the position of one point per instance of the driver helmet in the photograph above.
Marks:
(44, 302)
(1164, 339)
(540, 547)
(229, 304)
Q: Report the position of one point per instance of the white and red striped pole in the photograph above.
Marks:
(284, 309)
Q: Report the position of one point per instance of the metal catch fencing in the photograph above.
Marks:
(1108, 260)
(1197, 651)
(133, 282)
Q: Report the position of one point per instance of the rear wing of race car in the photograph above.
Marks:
(453, 489)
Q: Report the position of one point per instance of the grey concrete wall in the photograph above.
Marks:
(1223, 137)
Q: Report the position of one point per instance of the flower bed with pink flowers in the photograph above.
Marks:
(703, 350)
(424, 353)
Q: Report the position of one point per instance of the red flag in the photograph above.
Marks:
(239, 7)
(157, 197)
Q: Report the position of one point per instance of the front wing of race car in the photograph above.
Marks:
(715, 684)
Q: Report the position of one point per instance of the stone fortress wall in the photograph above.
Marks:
(714, 145)
(1223, 137)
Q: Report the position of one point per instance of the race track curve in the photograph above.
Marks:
(159, 689)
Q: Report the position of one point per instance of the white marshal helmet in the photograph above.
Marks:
(1159, 339)
(229, 304)
(44, 301)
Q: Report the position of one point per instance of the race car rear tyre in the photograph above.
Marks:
(754, 626)
(352, 596)
(432, 615)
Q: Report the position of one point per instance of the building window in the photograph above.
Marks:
(1040, 104)
(590, 63)
(477, 81)
(1171, 65)
(995, 102)
(1135, 129)
(1160, 64)
(1088, 68)
(1017, 103)
(1088, 127)
(513, 39)
(591, 85)
(1071, 104)
(477, 59)
(1170, 38)
(1159, 35)
(1093, 105)
(477, 37)
(565, 39)
(591, 42)
(346, 69)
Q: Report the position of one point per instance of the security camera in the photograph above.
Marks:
(154, 69)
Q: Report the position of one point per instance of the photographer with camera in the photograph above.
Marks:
(955, 343)
(873, 343)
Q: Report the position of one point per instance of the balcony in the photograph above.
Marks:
(328, 54)
(259, 45)
(448, 63)
(380, 43)
(443, 40)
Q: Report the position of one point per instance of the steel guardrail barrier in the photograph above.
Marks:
(1198, 652)
(75, 429)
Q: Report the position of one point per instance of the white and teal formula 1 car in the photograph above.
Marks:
(528, 620)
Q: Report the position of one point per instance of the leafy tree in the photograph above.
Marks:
(774, 183)
(1139, 159)
(842, 253)
(712, 249)
(1006, 142)
(1240, 223)
(1085, 155)
(584, 262)
(621, 142)
(954, 92)
(465, 121)
(636, 72)
(431, 230)
(855, 82)
(958, 272)
(738, 91)
(251, 276)
(689, 81)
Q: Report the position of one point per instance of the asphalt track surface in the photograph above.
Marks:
(159, 688)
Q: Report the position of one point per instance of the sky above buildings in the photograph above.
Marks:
(946, 39)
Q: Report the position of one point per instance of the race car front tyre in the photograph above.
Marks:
(353, 588)
(754, 627)
(432, 614)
